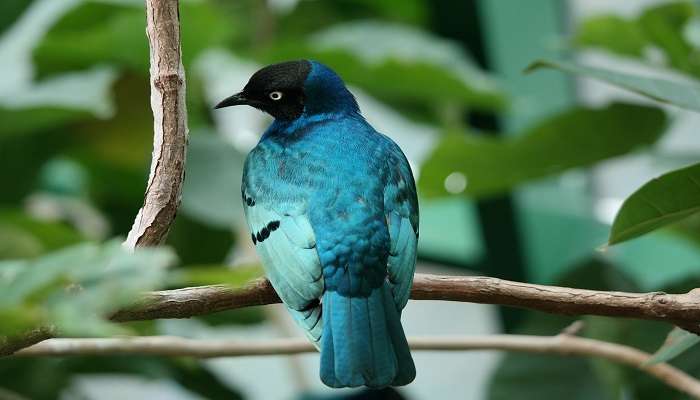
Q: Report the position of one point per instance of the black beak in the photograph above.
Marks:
(235, 100)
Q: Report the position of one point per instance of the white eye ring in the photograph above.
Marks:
(276, 95)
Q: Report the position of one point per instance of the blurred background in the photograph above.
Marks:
(520, 177)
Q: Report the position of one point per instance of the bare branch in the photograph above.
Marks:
(565, 345)
(560, 300)
(164, 187)
(682, 310)
(679, 309)
(10, 345)
(573, 329)
(200, 300)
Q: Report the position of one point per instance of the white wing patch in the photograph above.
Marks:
(286, 245)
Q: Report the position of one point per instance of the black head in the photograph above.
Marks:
(277, 89)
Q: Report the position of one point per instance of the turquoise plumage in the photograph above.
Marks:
(332, 209)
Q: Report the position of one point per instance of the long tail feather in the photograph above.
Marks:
(363, 342)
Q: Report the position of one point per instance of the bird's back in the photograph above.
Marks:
(335, 170)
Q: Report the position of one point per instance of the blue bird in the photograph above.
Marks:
(332, 210)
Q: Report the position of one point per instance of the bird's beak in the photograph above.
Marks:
(235, 100)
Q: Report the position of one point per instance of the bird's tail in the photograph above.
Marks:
(363, 342)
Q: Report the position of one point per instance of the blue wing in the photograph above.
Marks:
(401, 208)
(285, 241)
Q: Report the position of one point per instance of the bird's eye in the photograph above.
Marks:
(276, 95)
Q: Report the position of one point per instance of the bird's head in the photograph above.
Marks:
(291, 89)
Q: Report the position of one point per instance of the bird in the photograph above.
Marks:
(332, 209)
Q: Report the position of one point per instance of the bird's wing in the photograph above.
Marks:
(286, 244)
(401, 208)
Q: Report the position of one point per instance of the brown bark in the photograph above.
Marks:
(563, 344)
(680, 309)
(164, 188)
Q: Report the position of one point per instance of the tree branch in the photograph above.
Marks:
(679, 309)
(563, 344)
(10, 345)
(164, 189)
(682, 310)
(167, 73)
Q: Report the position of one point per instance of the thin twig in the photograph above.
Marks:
(566, 345)
(167, 73)
(573, 329)
(672, 308)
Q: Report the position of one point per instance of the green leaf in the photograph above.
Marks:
(575, 138)
(439, 71)
(405, 45)
(681, 94)
(307, 17)
(387, 79)
(75, 289)
(687, 228)
(662, 27)
(613, 33)
(94, 33)
(100, 33)
(24, 236)
(677, 342)
(29, 120)
(659, 202)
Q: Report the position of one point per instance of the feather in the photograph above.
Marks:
(363, 341)
(402, 207)
(288, 254)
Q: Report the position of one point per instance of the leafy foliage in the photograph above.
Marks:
(385, 79)
(576, 138)
(22, 236)
(598, 31)
(75, 288)
(661, 27)
(662, 201)
(29, 120)
(681, 94)
(99, 32)
(677, 342)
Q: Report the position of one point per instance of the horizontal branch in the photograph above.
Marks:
(563, 344)
(680, 309)
(10, 345)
